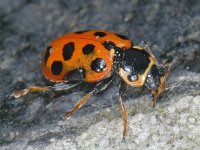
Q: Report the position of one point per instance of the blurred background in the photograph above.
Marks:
(170, 27)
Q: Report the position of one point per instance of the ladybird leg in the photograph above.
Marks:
(102, 85)
(155, 97)
(166, 68)
(28, 90)
(77, 105)
(161, 88)
(64, 86)
(56, 87)
(123, 110)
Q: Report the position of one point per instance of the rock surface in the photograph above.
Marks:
(33, 122)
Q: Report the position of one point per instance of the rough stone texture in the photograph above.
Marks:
(32, 122)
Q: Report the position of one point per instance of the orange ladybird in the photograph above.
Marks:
(94, 56)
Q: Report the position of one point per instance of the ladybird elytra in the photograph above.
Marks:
(74, 50)
(78, 59)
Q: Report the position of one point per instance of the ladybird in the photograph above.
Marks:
(93, 56)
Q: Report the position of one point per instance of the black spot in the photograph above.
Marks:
(98, 65)
(81, 32)
(109, 45)
(136, 59)
(68, 50)
(87, 49)
(122, 37)
(47, 54)
(75, 75)
(56, 67)
(100, 34)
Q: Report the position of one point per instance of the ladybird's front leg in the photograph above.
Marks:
(155, 96)
(164, 72)
(156, 82)
(161, 88)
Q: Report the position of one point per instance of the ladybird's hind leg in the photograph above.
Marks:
(100, 86)
(123, 109)
(32, 89)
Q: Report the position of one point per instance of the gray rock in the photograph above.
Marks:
(171, 28)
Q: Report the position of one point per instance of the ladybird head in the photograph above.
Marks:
(139, 68)
(155, 77)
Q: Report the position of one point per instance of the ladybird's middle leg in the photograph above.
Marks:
(123, 110)
(65, 86)
(99, 87)
(77, 105)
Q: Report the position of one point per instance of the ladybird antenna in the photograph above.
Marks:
(169, 67)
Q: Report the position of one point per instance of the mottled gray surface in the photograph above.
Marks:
(32, 122)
